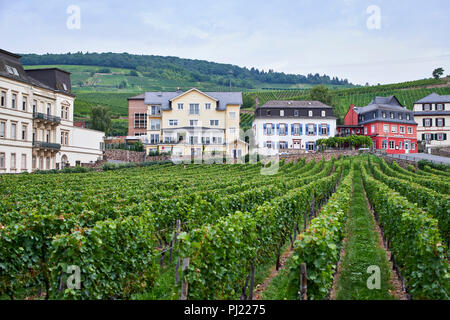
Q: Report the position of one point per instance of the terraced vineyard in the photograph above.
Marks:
(131, 232)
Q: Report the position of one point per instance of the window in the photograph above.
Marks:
(217, 140)
(62, 109)
(391, 144)
(155, 124)
(413, 146)
(372, 129)
(23, 162)
(14, 101)
(194, 108)
(207, 106)
(232, 115)
(402, 129)
(24, 103)
(311, 146)
(406, 145)
(140, 120)
(47, 136)
(386, 128)
(269, 144)
(310, 113)
(194, 139)
(155, 110)
(310, 129)
(2, 129)
(173, 123)
(3, 99)
(283, 145)
(193, 123)
(65, 87)
(13, 131)
(439, 107)
(383, 114)
(35, 106)
(13, 161)
(296, 131)
(400, 145)
(427, 122)
(67, 113)
(47, 163)
(213, 122)
(282, 127)
(154, 139)
(440, 122)
(365, 130)
(2, 160)
(394, 129)
(323, 113)
(33, 162)
(324, 129)
(410, 130)
(268, 112)
(64, 137)
(400, 116)
(24, 132)
(427, 107)
(295, 113)
(180, 106)
(49, 109)
(384, 144)
(281, 113)
(392, 115)
(268, 129)
(408, 117)
(440, 136)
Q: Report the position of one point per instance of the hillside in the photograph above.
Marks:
(157, 70)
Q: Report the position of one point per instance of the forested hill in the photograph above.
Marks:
(174, 68)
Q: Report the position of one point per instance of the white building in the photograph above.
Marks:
(283, 125)
(36, 120)
(432, 114)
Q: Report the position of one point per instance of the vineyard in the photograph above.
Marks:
(211, 231)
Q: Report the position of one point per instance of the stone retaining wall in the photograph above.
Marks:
(130, 156)
(328, 155)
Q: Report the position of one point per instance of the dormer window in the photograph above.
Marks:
(408, 117)
(323, 113)
(281, 113)
(383, 114)
(12, 70)
(427, 107)
(400, 116)
(295, 113)
(268, 112)
(310, 113)
(439, 107)
(392, 115)
(65, 87)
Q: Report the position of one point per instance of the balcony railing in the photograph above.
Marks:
(46, 117)
(46, 145)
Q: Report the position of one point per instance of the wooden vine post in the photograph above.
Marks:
(303, 282)
(184, 283)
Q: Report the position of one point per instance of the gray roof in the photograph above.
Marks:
(432, 113)
(386, 104)
(294, 104)
(434, 98)
(223, 98)
(138, 97)
(12, 60)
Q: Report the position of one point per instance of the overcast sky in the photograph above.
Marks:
(293, 36)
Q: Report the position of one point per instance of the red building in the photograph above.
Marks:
(390, 125)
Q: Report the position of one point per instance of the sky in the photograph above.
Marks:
(375, 41)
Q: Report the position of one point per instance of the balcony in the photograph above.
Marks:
(46, 118)
(46, 145)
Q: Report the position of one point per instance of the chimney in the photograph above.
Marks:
(256, 102)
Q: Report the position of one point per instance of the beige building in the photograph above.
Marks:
(194, 123)
(432, 113)
(36, 120)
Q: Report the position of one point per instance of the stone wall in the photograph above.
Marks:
(328, 155)
(130, 156)
(442, 152)
(401, 162)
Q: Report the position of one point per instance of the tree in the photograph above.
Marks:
(101, 119)
(322, 94)
(247, 101)
(437, 73)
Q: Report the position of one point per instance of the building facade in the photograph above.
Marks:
(390, 125)
(36, 120)
(432, 114)
(350, 126)
(190, 123)
(282, 125)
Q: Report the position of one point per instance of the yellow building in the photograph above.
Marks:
(194, 123)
